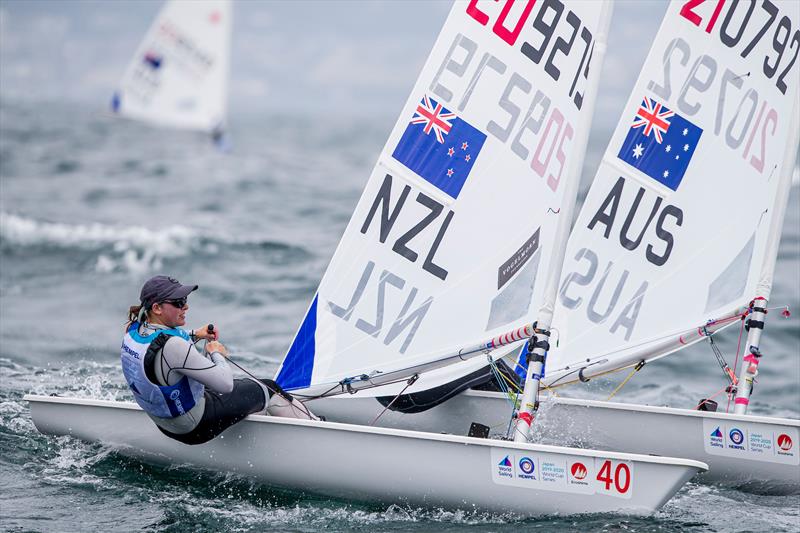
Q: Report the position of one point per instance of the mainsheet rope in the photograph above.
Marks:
(410, 382)
(638, 367)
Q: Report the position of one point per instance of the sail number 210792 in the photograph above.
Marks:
(743, 24)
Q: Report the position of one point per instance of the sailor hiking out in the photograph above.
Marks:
(192, 397)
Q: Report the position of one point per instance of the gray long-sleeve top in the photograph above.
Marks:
(180, 358)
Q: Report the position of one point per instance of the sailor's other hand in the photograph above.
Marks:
(204, 333)
(216, 346)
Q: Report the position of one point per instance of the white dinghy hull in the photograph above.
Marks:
(387, 465)
(766, 459)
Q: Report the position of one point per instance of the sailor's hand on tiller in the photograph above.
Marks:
(216, 346)
(207, 332)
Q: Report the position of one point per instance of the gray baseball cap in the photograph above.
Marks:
(162, 288)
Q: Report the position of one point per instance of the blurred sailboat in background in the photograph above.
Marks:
(178, 77)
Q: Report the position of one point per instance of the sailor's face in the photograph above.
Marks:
(172, 314)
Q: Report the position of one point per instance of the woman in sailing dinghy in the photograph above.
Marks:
(190, 396)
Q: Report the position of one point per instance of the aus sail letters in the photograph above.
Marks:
(660, 143)
(439, 147)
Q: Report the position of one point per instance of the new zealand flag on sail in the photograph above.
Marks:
(660, 143)
(440, 147)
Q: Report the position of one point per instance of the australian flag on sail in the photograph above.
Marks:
(660, 143)
(439, 147)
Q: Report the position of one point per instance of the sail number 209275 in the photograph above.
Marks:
(546, 21)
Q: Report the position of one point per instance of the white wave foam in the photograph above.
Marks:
(133, 248)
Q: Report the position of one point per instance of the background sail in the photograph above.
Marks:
(179, 74)
(674, 229)
(450, 240)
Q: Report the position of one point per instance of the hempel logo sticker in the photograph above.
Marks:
(737, 438)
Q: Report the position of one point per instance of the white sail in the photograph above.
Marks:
(453, 235)
(178, 76)
(676, 225)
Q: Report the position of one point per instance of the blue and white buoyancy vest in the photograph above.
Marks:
(162, 401)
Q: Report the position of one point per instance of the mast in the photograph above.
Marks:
(758, 314)
(539, 344)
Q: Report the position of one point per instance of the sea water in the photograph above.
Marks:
(90, 207)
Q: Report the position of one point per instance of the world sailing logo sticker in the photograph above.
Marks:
(439, 147)
(504, 468)
(716, 439)
(660, 143)
(784, 443)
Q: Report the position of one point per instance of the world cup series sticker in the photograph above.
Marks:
(554, 472)
(751, 440)
(561, 473)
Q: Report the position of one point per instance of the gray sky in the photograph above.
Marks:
(353, 57)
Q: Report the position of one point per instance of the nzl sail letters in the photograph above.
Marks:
(402, 243)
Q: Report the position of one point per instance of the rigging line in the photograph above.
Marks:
(711, 397)
(736, 361)
(601, 374)
(508, 394)
(333, 390)
(302, 406)
(514, 387)
(410, 382)
(309, 397)
(638, 367)
(555, 384)
(729, 374)
(512, 397)
(501, 379)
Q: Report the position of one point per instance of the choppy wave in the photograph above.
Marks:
(131, 248)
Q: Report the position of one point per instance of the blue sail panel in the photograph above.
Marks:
(299, 362)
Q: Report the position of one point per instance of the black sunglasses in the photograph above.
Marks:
(180, 303)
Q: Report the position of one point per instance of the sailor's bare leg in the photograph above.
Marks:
(281, 403)
(281, 406)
